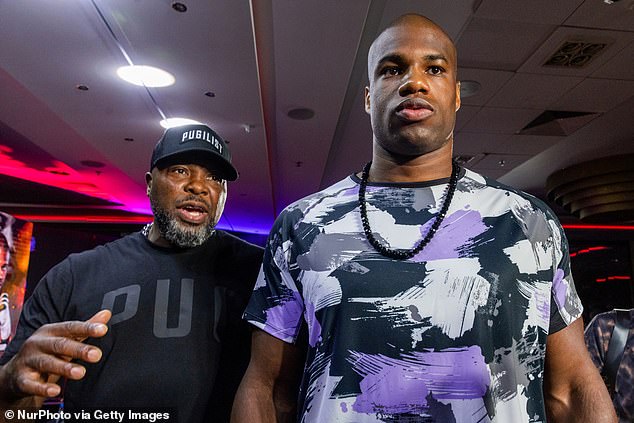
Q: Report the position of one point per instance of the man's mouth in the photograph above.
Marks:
(192, 212)
(414, 110)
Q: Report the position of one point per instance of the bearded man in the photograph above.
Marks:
(154, 317)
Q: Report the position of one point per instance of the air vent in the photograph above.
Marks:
(558, 123)
(575, 54)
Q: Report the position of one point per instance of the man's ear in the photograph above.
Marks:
(458, 102)
(367, 100)
(148, 183)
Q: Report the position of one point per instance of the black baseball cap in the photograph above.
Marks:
(197, 142)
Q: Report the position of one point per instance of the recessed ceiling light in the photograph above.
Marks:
(147, 76)
(92, 163)
(179, 7)
(174, 122)
(301, 113)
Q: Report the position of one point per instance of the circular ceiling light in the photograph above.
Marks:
(147, 76)
(179, 7)
(301, 113)
(92, 163)
(174, 122)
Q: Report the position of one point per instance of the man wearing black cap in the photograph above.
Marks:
(154, 317)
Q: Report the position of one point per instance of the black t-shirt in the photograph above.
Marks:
(173, 309)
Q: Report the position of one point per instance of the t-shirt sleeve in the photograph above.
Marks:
(565, 305)
(276, 305)
(45, 305)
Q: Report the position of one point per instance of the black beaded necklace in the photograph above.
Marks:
(404, 254)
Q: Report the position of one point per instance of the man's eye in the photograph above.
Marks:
(179, 170)
(390, 71)
(435, 70)
(214, 178)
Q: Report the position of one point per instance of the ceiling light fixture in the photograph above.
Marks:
(301, 113)
(179, 7)
(146, 76)
(174, 122)
(145, 81)
(92, 163)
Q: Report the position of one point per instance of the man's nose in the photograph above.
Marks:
(415, 81)
(197, 184)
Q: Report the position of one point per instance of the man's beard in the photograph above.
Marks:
(178, 234)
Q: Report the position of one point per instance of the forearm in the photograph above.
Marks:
(262, 404)
(254, 405)
(587, 402)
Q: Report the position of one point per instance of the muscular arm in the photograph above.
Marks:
(268, 392)
(573, 388)
(31, 374)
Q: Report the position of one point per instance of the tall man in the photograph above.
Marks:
(169, 332)
(429, 293)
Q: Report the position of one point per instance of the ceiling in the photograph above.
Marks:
(242, 66)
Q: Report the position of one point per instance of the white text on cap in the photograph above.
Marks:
(199, 134)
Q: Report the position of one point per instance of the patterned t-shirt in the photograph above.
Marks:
(455, 334)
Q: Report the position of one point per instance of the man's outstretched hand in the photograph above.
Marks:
(47, 355)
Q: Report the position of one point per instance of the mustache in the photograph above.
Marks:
(194, 199)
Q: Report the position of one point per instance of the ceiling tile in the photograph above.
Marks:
(502, 161)
(451, 20)
(536, 11)
(532, 91)
(528, 144)
(498, 44)
(500, 120)
(478, 142)
(464, 115)
(620, 66)
(490, 80)
(599, 14)
(595, 95)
